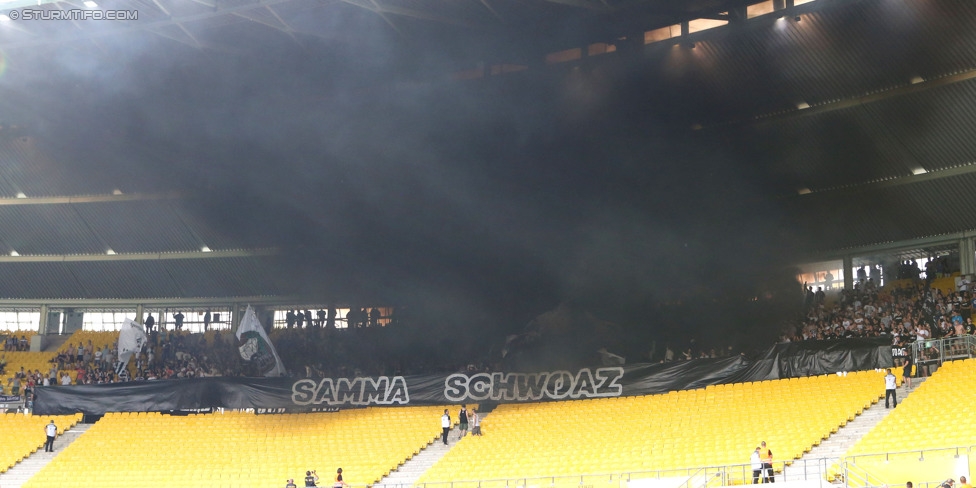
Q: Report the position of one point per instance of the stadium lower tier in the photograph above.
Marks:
(928, 437)
(658, 435)
(241, 450)
(23, 435)
(667, 435)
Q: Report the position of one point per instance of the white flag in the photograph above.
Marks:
(131, 340)
(255, 346)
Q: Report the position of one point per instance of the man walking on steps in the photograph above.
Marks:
(446, 425)
(890, 384)
(51, 430)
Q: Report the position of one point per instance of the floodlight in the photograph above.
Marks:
(90, 4)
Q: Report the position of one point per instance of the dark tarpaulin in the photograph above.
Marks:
(290, 394)
(812, 358)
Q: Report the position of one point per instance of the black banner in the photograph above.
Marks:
(279, 395)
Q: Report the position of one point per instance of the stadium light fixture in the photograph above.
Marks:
(916, 80)
(804, 191)
(20, 194)
(919, 171)
(802, 106)
(116, 192)
(90, 4)
(205, 249)
(110, 252)
(14, 253)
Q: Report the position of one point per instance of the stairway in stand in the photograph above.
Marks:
(18, 475)
(409, 472)
(817, 463)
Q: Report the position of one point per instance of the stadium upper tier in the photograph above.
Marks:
(716, 426)
(237, 450)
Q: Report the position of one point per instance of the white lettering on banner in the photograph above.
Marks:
(383, 390)
(556, 385)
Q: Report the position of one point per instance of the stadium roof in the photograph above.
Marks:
(226, 24)
(854, 116)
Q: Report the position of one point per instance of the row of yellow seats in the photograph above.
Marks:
(679, 429)
(937, 414)
(24, 434)
(366, 443)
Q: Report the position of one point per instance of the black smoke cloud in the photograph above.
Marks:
(384, 182)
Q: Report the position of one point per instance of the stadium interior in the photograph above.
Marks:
(639, 243)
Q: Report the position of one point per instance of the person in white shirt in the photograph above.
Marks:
(51, 430)
(445, 425)
(756, 463)
(890, 385)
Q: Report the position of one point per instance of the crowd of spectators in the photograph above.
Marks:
(907, 314)
(12, 343)
(368, 348)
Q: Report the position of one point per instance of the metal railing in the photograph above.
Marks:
(857, 476)
(934, 352)
(693, 477)
(830, 469)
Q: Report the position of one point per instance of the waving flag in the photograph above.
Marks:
(131, 340)
(255, 347)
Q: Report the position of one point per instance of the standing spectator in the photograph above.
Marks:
(320, 315)
(150, 322)
(964, 483)
(178, 318)
(290, 319)
(890, 384)
(311, 477)
(374, 317)
(766, 454)
(756, 464)
(51, 430)
(291, 484)
(339, 483)
(445, 425)
(907, 372)
(206, 321)
(330, 323)
(299, 319)
(462, 422)
(475, 422)
(308, 319)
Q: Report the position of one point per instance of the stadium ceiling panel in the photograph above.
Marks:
(295, 19)
(883, 213)
(191, 278)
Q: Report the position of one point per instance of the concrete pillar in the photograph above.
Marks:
(967, 256)
(235, 317)
(42, 323)
(139, 314)
(848, 272)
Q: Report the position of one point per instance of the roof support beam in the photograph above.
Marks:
(117, 303)
(140, 256)
(914, 87)
(91, 199)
